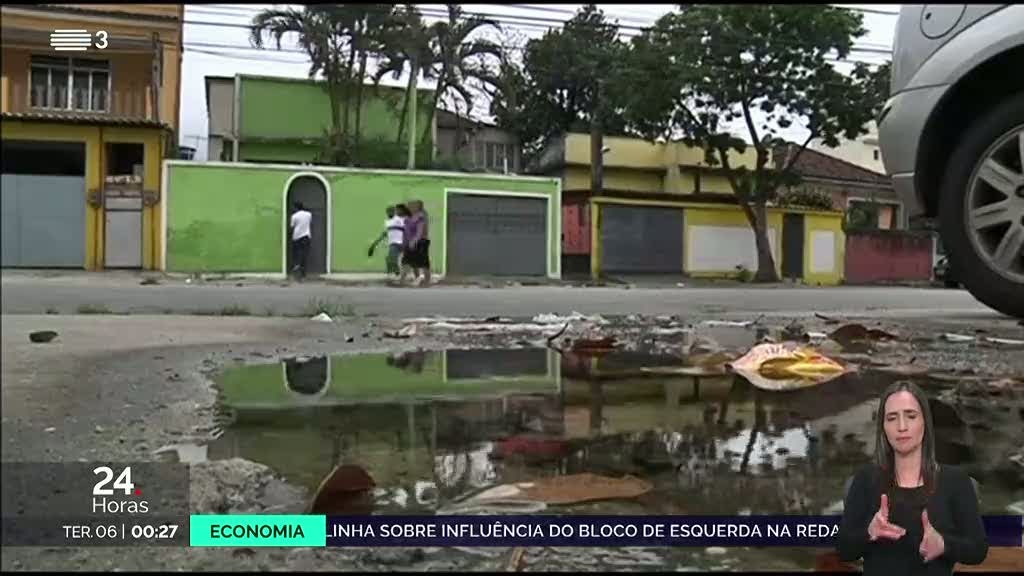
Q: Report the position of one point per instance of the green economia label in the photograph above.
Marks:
(257, 530)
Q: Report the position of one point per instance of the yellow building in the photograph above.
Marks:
(89, 105)
(663, 210)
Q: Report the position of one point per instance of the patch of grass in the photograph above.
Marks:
(52, 311)
(334, 308)
(93, 309)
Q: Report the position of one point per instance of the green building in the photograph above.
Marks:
(284, 120)
(232, 217)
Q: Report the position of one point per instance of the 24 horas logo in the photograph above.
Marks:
(101, 504)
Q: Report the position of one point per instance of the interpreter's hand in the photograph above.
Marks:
(880, 526)
(932, 544)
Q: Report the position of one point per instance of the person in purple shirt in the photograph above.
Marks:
(417, 243)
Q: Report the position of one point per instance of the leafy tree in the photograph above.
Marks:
(703, 66)
(459, 59)
(568, 82)
(407, 44)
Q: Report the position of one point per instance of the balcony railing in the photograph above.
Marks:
(132, 101)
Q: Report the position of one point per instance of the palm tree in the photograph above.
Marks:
(316, 27)
(407, 42)
(368, 36)
(459, 59)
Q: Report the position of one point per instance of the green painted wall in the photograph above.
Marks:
(365, 378)
(229, 219)
(224, 219)
(291, 108)
(360, 200)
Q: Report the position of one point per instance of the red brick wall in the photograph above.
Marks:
(887, 255)
(576, 228)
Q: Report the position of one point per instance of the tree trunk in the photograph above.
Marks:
(765, 261)
(413, 74)
(402, 118)
(359, 106)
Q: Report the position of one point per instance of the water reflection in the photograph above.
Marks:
(431, 426)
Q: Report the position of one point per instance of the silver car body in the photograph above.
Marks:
(935, 46)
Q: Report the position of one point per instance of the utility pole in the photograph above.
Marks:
(596, 144)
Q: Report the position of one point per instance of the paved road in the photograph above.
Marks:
(30, 294)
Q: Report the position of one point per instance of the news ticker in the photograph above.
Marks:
(147, 504)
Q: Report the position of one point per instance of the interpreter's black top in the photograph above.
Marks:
(952, 511)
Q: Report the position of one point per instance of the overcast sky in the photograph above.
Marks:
(222, 47)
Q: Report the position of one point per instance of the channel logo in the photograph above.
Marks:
(68, 40)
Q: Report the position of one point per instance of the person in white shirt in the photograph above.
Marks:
(302, 238)
(394, 233)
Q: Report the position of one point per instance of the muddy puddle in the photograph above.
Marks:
(431, 427)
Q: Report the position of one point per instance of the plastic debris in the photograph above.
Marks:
(321, 317)
(50, 429)
(733, 323)
(1005, 341)
(787, 366)
(949, 337)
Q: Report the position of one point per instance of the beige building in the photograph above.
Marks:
(863, 151)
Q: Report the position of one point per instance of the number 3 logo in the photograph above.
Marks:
(101, 41)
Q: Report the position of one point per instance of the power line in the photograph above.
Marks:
(867, 50)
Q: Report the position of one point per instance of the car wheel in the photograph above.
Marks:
(981, 209)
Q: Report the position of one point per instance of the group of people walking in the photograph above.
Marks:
(407, 232)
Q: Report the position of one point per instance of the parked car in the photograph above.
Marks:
(952, 138)
(944, 273)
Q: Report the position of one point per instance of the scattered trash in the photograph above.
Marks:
(816, 335)
(98, 429)
(346, 490)
(149, 282)
(321, 317)
(42, 337)
(859, 332)
(733, 323)
(50, 429)
(715, 550)
(827, 319)
(349, 339)
(574, 317)
(659, 331)
(405, 332)
(1005, 341)
(782, 367)
(680, 285)
(949, 337)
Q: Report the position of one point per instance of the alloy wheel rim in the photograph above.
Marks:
(994, 206)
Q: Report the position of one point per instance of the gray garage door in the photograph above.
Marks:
(641, 239)
(43, 221)
(497, 235)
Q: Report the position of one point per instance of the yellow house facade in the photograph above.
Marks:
(85, 131)
(663, 210)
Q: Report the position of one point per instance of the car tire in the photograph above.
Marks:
(987, 285)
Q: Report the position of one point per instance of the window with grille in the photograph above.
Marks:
(70, 84)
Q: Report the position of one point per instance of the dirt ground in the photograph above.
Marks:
(120, 387)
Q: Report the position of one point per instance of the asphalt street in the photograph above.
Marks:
(124, 294)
